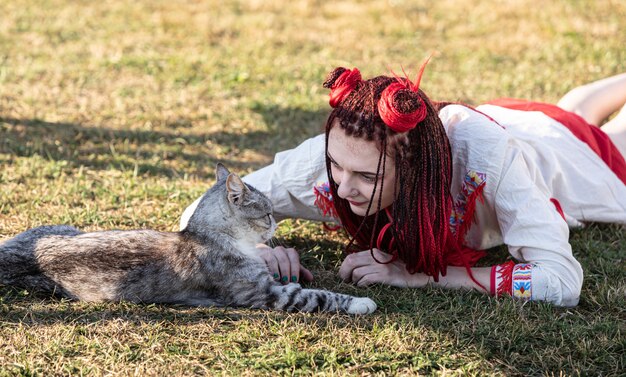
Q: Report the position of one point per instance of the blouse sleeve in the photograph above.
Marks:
(289, 182)
(538, 236)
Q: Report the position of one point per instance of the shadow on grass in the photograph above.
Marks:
(158, 152)
(289, 126)
(34, 309)
(148, 152)
(41, 310)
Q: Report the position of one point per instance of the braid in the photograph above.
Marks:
(424, 199)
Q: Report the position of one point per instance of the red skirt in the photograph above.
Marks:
(593, 136)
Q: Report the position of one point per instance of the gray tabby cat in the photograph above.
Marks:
(212, 262)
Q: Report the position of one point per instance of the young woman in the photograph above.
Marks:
(422, 187)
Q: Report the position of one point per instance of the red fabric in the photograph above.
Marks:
(593, 136)
(557, 205)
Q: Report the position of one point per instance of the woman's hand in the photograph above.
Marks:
(284, 264)
(361, 269)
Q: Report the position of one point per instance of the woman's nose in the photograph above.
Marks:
(346, 187)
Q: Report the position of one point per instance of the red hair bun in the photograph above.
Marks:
(341, 82)
(400, 107)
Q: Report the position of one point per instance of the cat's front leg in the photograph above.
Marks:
(293, 297)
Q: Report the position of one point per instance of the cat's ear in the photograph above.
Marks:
(221, 172)
(236, 189)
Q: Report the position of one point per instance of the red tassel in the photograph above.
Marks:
(324, 200)
(470, 208)
(506, 274)
(465, 256)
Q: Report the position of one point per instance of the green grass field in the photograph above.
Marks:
(114, 113)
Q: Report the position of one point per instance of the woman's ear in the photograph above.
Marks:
(236, 189)
(221, 172)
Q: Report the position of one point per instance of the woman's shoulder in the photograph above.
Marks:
(479, 148)
(466, 123)
(476, 140)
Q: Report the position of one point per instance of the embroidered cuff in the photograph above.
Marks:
(512, 279)
(522, 281)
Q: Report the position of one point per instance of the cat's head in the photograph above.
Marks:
(235, 208)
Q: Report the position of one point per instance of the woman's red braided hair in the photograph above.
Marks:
(423, 171)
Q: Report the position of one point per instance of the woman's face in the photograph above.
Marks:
(353, 164)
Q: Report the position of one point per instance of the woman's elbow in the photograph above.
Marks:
(560, 286)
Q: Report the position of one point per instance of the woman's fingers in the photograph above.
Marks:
(284, 264)
(370, 274)
(298, 272)
(267, 254)
(369, 280)
(294, 260)
(360, 259)
(305, 275)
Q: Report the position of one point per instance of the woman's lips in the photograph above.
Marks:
(357, 204)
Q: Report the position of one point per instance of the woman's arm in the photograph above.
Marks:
(535, 233)
(363, 268)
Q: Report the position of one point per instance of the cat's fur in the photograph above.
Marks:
(212, 262)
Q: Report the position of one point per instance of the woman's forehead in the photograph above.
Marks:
(353, 153)
(340, 140)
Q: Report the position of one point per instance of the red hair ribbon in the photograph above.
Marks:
(345, 83)
(389, 107)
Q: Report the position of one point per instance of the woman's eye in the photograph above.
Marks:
(368, 178)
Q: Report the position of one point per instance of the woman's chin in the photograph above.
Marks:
(359, 210)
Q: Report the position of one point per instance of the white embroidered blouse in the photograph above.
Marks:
(530, 165)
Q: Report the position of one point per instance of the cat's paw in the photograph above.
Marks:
(361, 305)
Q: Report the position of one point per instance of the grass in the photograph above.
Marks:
(114, 113)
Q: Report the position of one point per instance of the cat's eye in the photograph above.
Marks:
(266, 219)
